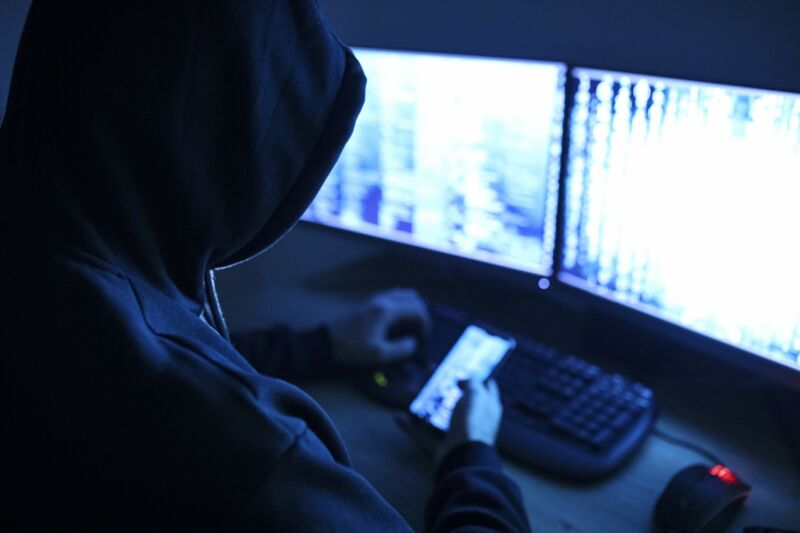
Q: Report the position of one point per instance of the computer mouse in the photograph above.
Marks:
(700, 498)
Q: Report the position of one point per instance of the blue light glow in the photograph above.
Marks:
(681, 201)
(474, 356)
(456, 154)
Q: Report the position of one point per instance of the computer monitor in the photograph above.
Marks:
(456, 154)
(681, 201)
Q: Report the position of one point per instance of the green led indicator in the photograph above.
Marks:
(380, 379)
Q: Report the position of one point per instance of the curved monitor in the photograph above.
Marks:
(681, 201)
(456, 154)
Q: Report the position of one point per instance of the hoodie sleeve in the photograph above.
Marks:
(473, 494)
(286, 354)
(307, 490)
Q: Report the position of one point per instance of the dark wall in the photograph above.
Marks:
(12, 17)
(745, 42)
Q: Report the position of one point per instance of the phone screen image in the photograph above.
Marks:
(475, 355)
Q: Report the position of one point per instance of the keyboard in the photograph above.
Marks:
(561, 413)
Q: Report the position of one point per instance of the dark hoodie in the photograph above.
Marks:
(145, 144)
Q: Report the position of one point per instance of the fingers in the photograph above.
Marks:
(478, 414)
(471, 389)
(475, 385)
(493, 389)
(405, 304)
(399, 293)
(397, 348)
(475, 388)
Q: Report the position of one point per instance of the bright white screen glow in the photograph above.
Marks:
(682, 201)
(456, 154)
(475, 355)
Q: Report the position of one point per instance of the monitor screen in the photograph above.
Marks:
(681, 201)
(453, 153)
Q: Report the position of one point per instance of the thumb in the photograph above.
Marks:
(494, 390)
(398, 348)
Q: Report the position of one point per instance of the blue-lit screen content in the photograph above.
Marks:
(682, 202)
(453, 153)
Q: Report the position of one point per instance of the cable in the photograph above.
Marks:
(216, 309)
(657, 432)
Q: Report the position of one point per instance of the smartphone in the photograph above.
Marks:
(475, 354)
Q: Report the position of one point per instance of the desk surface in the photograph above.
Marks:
(304, 279)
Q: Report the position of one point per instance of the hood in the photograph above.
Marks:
(168, 138)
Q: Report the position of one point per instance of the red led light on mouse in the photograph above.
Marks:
(724, 473)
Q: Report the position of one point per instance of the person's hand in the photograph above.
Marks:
(383, 329)
(477, 415)
(476, 418)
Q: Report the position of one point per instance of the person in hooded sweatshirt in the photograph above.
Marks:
(145, 144)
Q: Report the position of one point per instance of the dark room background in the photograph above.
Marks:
(746, 42)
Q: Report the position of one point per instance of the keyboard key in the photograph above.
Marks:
(622, 420)
(602, 439)
(642, 403)
(536, 409)
(566, 426)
